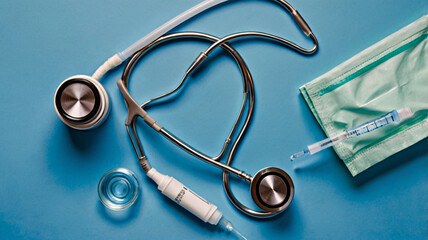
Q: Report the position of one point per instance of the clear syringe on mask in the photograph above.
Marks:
(392, 117)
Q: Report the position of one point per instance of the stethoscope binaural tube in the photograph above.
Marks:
(271, 188)
(118, 58)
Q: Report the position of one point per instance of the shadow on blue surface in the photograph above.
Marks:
(75, 157)
(308, 163)
(83, 141)
(404, 157)
(121, 217)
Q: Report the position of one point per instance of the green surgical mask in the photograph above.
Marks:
(391, 74)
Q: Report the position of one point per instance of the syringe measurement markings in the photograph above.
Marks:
(326, 143)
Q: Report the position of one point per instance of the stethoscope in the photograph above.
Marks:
(82, 103)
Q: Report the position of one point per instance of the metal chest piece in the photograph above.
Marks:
(81, 102)
(272, 189)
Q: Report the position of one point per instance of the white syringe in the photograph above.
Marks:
(189, 200)
(392, 117)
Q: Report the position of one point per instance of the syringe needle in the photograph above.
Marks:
(227, 225)
(299, 154)
(238, 234)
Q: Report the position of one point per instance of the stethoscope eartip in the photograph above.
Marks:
(81, 102)
(272, 189)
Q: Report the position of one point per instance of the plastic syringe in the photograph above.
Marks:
(392, 117)
(189, 200)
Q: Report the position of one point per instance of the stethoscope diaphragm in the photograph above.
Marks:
(81, 102)
(272, 189)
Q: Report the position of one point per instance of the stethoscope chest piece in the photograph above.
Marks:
(81, 102)
(272, 189)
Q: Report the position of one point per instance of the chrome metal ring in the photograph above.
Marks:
(272, 189)
(81, 102)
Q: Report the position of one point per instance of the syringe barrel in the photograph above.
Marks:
(374, 124)
(318, 146)
(185, 197)
(328, 142)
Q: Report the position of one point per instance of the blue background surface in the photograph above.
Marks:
(49, 173)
